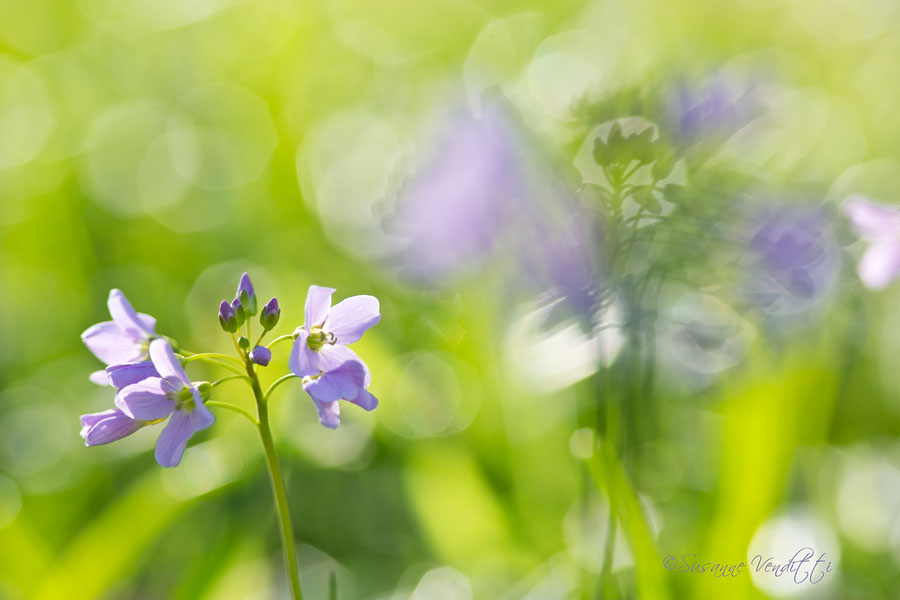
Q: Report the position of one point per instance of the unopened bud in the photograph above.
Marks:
(270, 314)
(261, 355)
(238, 311)
(227, 317)
(243, 342)
(246, 295)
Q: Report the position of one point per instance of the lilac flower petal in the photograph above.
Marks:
(145, 400)
(880, 265)
(333, 356)
(318, 301)
(125, 374)
(125, 316)
(342, 383)
(365, 400)
(174, 438)
(107, 426)
(99, 377)
(329, 413)
(148, 322)
(303, 361)
(870, 219)
(166, 363)
(349, 319)
(91, 419)
(110, 344)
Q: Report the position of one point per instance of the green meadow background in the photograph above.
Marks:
(165, 147)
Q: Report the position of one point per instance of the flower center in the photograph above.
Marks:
(183, 399)
(318, 338)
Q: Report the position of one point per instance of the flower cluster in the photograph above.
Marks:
(152, 386)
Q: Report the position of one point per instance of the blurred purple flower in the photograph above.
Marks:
(171, 394)
(488, 193)
(711, 111)
(321, 343)
(879, 225)
(796, 257)
(453, 207)
(346, 382)
(125, 339)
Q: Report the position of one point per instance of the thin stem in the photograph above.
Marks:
(234, 408)
(280, 338)
(275, 384)
(229, 378)
(215, 355)
(214, 359)
(278, 488)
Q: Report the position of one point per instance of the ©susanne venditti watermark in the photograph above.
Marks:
(801, 566)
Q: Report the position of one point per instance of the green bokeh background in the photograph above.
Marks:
(165, 147)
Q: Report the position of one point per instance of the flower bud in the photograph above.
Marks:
(227, 317)
(204, 388)
(243, 342)
(269, 315)
(246, 295)
(261, 355)
(239, 313)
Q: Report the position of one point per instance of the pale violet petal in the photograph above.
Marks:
(145, 400)
(106, 427)
(99, 377)
(110, 344)
(125, 316)
(333, 356)
(165, 361)
(870, 219)
(349, 319)
(303, 361)
(128, 373)
(880, 264)
(174, 438)
(318, 301)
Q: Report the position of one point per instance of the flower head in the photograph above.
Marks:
(125, 339)
(171, 394)
(321, 343)
(879, 225)
(346, 382)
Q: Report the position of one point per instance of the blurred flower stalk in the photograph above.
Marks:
(152, 385)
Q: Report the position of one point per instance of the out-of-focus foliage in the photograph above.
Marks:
(584, 220)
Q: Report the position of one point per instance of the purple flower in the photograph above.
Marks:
(321, 343)
(171, 394)
(246, 295)
(125, 339)
(107, 426)
(879, 225)
(452, 210)
(796, 260)
(346, 382)
(261, 356)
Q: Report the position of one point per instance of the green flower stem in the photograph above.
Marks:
(278, 488)
(280, 338)
(229, 378)
(234, 408)
(215, 359)
(275, 384)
